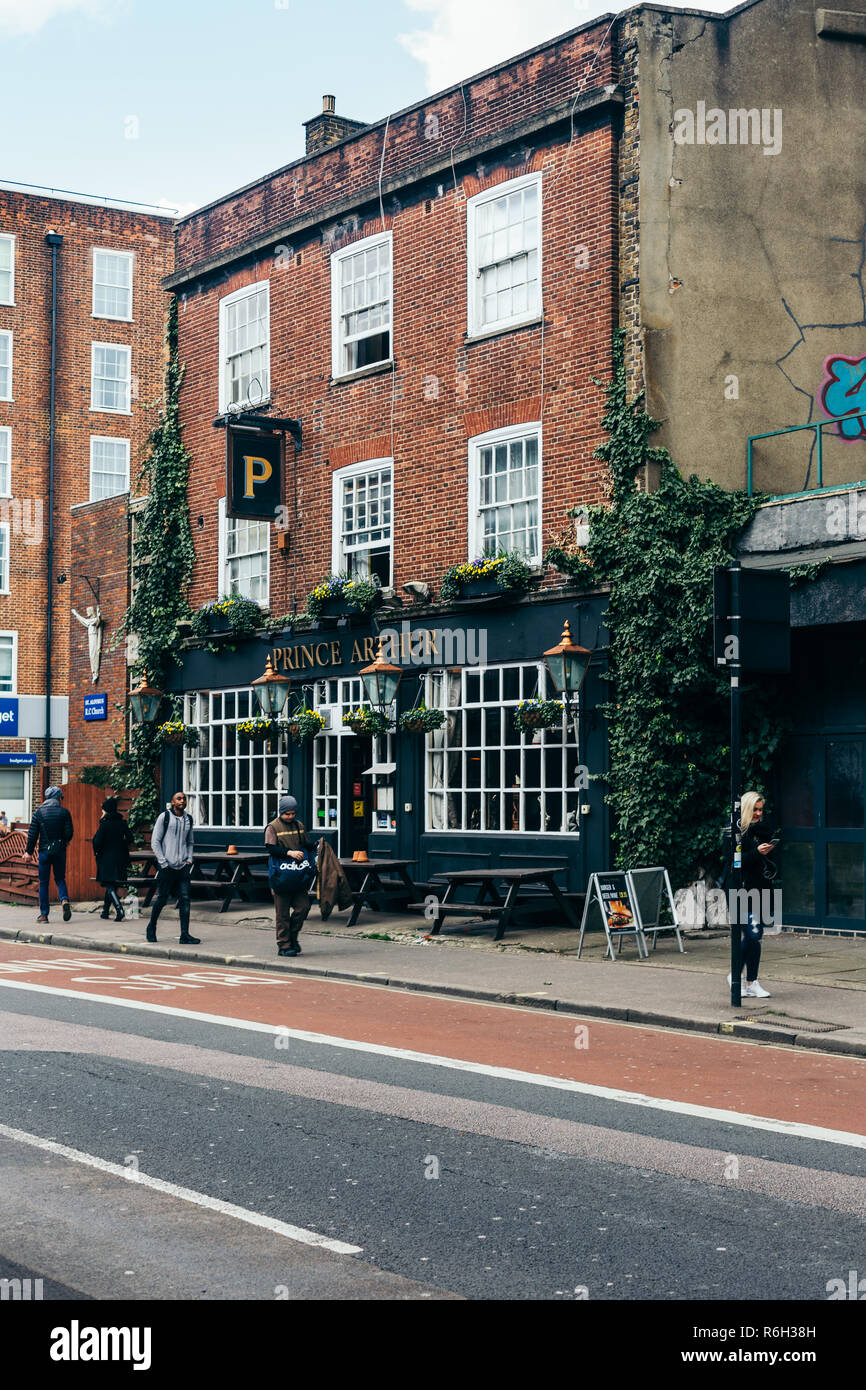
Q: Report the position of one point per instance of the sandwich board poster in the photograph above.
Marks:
(615, 897)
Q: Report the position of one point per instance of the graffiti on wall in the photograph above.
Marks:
(843, 395)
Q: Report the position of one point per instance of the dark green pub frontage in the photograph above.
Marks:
(477, 792)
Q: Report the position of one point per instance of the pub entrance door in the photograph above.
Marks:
(356, 798)
(821, 809)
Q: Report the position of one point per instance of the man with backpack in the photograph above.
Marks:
(172, 843)
(51, 827)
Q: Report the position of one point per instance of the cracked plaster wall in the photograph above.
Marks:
(751, 265)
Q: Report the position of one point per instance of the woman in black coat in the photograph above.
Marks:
(111, 846)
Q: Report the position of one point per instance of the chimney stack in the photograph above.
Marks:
(327, 128)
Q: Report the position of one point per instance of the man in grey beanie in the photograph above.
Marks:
(287, 837)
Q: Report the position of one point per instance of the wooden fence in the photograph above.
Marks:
(19, 881)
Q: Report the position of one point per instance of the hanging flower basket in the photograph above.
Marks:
(421, 721)
(538, 714)
(367, 723)
(175, 734)
(304, 727)
(259, 730)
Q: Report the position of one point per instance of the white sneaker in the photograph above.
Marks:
(756, 991)
(730, 982)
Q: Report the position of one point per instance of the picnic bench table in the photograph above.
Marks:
(231, 876)
(501, 910)
(385, 877)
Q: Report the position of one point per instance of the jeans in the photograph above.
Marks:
(47, 862)
(170, 882)
(751, 936)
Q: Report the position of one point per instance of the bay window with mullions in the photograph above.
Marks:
(505, 493)
(361, 305)
(482, 774)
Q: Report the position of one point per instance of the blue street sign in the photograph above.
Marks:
(17, 759)
(8, 716)
(96, 707)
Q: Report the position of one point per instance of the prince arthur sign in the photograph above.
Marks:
(254, 468)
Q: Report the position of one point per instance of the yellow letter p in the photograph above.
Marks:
(252, 475)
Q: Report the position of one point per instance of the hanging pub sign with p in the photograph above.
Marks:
(254, 468)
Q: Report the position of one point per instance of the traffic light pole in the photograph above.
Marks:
(735, 877)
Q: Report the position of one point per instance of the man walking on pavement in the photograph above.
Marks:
(287, 837)
(172, 843)
(52, 827)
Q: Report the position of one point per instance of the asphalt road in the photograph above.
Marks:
(340, 1141)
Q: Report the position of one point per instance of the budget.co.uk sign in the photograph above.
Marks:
(8, 716)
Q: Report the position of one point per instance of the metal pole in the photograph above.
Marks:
(736, 874)
(54, 240)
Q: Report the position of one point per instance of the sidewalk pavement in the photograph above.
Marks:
(817, 984)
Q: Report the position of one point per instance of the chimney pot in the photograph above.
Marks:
(329, 103)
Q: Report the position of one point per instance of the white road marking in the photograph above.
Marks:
(185, 1194)
(677, 1107)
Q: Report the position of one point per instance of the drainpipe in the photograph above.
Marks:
(54, 240)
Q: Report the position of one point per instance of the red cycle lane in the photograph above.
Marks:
(790, 1085)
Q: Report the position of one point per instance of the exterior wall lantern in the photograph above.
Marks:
(568, 664)
(381, 681)
(271, 690)
(145, 701)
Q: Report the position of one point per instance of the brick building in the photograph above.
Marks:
(429, 296)
(109, 314)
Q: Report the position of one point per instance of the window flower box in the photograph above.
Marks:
(234, 613)
(486, 577)
(339, 596)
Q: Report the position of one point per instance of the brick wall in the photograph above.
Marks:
(83, 227)
(442, 389)
(99, 529)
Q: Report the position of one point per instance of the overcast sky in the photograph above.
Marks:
(176, 102)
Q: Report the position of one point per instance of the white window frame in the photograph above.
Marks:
(107, 409)
(10, 237)
(121, 255)
(6, 570)
(337, 343)
(532, 676)
(223, 556)
(224, 303)
(475, 328)
(245, 758)
(482, 441)
(339, 557)
(14, 635)
(106, 439)
(7, 333)
(6, 433)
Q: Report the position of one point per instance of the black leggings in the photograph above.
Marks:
(112, 899)
(750, 947)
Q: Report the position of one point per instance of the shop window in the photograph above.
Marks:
(229, 782)
(361, 305)
(7, 269)
(505, 487)
(5, 461)
(245, 556)
(112, 285)
(5, 366)
(109, 467)
(481, 774)
(504, 256)
(362, 536)
(110, 378)
(245, 347)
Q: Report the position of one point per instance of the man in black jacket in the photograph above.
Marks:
(51, 827)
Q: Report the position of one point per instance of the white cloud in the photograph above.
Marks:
(466, 36)
(19, 17)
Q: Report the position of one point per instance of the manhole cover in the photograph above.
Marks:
(798, 1025)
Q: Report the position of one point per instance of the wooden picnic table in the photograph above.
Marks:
(385, 877)
(490, 901)
(230, 878)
